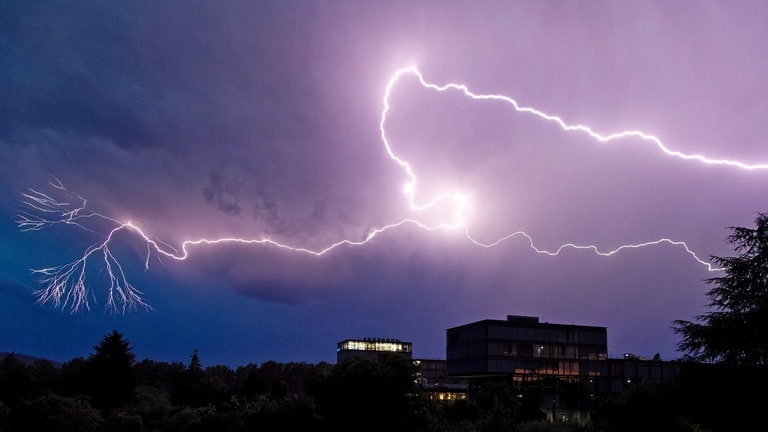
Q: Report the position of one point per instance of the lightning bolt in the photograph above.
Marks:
(549, 117)
(65, 286)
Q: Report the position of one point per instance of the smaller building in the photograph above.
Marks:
(434, 380)
(371, 348)
(431, 375)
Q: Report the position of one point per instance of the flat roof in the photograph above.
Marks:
(525, 321)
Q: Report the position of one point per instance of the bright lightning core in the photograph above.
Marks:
(66, 286)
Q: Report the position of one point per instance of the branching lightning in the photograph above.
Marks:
(65, 286)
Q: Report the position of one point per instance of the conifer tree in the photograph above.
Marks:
(194, 363)
(735, 331)
(109, 371)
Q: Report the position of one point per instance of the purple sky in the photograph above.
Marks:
(262, 120)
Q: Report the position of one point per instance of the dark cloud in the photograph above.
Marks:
(75, 69)
(222, 193)
(278, 291)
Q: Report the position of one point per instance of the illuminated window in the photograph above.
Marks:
(377, 345)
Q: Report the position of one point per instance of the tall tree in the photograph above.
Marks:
(109, 371)
(194, 363)
(735, 331)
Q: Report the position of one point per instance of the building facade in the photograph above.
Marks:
(371, 348)
(565, 367)
(434, 380)
(521, 345)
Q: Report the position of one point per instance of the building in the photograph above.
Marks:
(565, 366)
(371, 348)
(434, 380)
(432, 376)
(521, 345)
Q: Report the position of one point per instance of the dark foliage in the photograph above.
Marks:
(15, 380)
(108, 373)
(735, 331)
(57, 413)
(646, 406)
(721, 397)
(378, 395)
(496, 404)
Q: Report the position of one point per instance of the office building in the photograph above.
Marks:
(563, 367)
(371, 348)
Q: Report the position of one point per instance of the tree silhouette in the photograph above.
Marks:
(194, 363)
(374, 395)
(109, 371)
(736, 330)
(14, 380)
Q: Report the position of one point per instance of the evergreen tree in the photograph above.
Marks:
(109, 371)
(736, 330)
(194, 363)
(190, 386)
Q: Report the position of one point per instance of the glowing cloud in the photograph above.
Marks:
(66, 286)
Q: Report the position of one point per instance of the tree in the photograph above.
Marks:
(53, 412)
(736, 330)
(194, 363)
(374, 395)
(497, 405)
(109, 371)
(15, 380)
(647, 406)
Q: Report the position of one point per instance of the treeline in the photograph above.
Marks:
(111, 391)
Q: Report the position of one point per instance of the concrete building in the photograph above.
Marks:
(521, 345)
(564, 367)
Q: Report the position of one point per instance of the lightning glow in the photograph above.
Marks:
(66, 286)
(549, 117)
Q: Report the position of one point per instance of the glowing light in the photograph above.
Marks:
(65, 286)
(552, 118)
(593, 248)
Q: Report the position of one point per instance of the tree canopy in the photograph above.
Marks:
(735, 331)
(109, 370)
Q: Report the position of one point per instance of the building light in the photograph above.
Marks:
(375, 345)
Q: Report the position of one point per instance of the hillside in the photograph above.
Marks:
(26, 359)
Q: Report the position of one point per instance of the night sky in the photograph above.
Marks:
(270, 120)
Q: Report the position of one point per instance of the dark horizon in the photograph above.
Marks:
(29, 357)
(265, 179)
